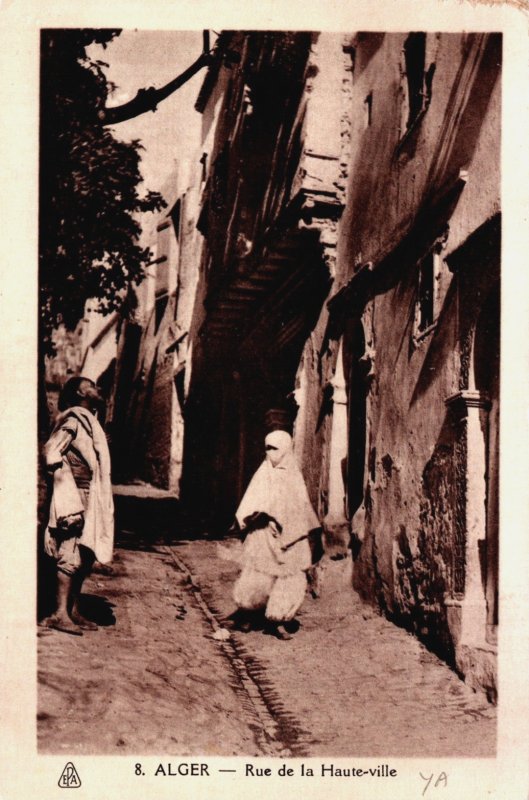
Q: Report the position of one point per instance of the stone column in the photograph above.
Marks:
(335, 523)
(467, 615)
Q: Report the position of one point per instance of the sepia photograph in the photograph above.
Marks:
(269, 392)
(264, 449)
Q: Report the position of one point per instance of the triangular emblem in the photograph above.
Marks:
(69, 778)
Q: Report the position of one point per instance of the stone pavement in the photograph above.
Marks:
(149, 680)
(351, 683)
(153, 678)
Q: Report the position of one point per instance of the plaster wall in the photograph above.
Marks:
(406, 556)
(395, 172)
(412, 517)
(312, 425)
(100, 353)
(160, 459)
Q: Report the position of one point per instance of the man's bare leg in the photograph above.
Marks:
(61, 620)
(75, 614)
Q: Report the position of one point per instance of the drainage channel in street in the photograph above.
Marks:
(277, 731)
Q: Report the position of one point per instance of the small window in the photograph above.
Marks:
(350, 50)
(368, 109)
(159, 311)
(204, 162)
(428, 292)
(175, 217)
(418, 78)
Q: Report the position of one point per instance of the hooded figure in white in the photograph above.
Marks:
(275, 558)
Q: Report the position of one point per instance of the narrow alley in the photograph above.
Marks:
(153, 678)
(301, 345)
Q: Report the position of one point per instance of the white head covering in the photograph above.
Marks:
(278, 446)
(278, 489)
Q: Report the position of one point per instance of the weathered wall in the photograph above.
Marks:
(394, 173)
(252, 121)
(156, 423)
(312, 426)
(410, 461)
(414, 460)
(149, 399)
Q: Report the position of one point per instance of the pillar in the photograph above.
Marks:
(467, 614)
(336, 524)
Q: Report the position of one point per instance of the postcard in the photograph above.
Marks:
(264, 439)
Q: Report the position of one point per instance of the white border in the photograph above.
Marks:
(23, 773)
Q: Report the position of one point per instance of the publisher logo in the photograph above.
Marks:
(69, 778)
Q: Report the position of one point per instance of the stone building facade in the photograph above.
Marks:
(273, 195)
(331, 264)
(350, 276)
(417, 306)
(89, 350)
(145, 416)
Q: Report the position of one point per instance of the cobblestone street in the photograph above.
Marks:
(152, 679)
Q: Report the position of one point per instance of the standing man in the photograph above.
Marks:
(81, 521)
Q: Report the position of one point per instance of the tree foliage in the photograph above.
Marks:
(89, 200)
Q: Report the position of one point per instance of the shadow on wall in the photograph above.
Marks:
(120, 446)
(368, 45)
(432, 566)
(441, 347)
(453, 150)
(466, 108)
(428, 562)
(480, 258)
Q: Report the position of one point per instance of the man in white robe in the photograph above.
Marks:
(81, 522)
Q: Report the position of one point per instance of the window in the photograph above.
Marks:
(431, 287)
(368, 109)
(204, 162)
(159, 311)
(419, 80)
(425, 297)
(350, 50)
(175, 217)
